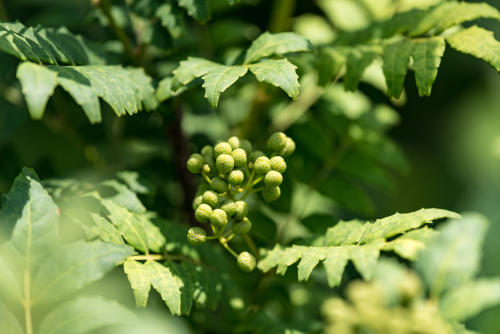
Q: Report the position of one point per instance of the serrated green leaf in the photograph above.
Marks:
(192, 68)
(356, 241)
(197, 9)
(357, 62)
(122, 195)
(105, 230)
(477, 42)
(171, 18)
(46, 45)
(185, 275)
(85, 315)
(453, 257)
(408, 245)
(427, 56)
(275, 44)
(10, 325)
(139, 276)
(396, 60)
(32, 214)
(452, 13)
(75, 266)
(219, 79)
(279, 73)
(470, 299)
(167, 285)
(38, 85)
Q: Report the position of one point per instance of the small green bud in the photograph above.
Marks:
(235, 177)
(246, 262)
(210, 198)
(241, 210)
(255, 155)
(206, 169)
(196, 235)
(242, 227)
(234, 142)
(262, 165)
(218, 185)
(195, 163)
(271, 194)
(197, 201)
(222, 148)
(224, 163)
(202, 213)
(273, 179)
(277, 142)
(278, 164)
(229, 207)
(246, 145)
(289, 148)
(218, 218)
(240, 157)
(207, 150)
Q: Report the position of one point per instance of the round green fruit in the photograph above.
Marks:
(277, 142)
(218, 218)
(278, 164)
(222, 148)
(273, 179)
(195, 163)
(203, 212)
(235, 177)
(224, 163)
(196, 235)
(246, 262)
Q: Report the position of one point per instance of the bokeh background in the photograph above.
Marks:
(451, 139)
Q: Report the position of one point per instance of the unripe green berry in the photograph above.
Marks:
(241, 210)
(246, 262)
(278, 164)
(240, 157)
(202, 213)
(277, 142)
(207, 150)
(271, 194)
(197, 201)
(289, 148)
(210, 198)
(196, 235)
(235, 177)
(262, 165)
(206, 169)
(246, 145)
(218, 185)
(218, 218)
(242, 227)
(229, 207)
(255, 155)
(195, 163)
(234, 142)
(222, 148)
(224, 163)
(273, 179)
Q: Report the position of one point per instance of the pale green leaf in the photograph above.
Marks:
(279, 73)
(75, 266)
(139, 276)
(477, 42)
(396, 60)
(346, 14)
(171, 18)
(32, 214)
(452, 13)
(275, 44)
(154, 236)
(122, 195)
(357, 62)
(427, 56)
(309, 259)
(8, 322)
(198, 9)
(470, 299)
(409, 244)
(192, 68)
(168, 285)
(9, 283)
(166, 89)
(335, 262)
(453, 257)
(85, 315)
(219, 79)
(38, 85)
(365, 258)
(105, 230)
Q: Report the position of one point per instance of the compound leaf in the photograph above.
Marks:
(192, 68)
(396, 59)
(427, 56)
(168, 285)
(219, 79)
(357, 62)
(278, 72)
(140, 278)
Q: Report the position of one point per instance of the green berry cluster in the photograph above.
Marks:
(232, 170)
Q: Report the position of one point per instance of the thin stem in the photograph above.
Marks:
(281, 15)
(251, 244)
(207, 178)
(105, 6)
(151, 257)
(223, 242)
